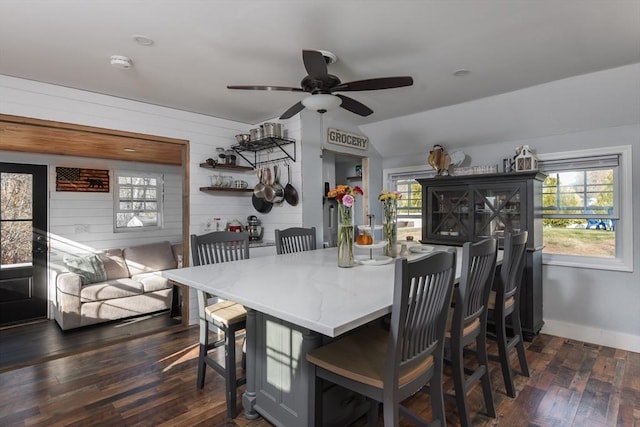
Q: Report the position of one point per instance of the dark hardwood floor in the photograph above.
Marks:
(150, 381)
(39, 341)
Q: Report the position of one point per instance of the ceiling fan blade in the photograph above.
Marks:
(295, 109)
(374, 84)
(315, 64)
(354, 106)
(283, 88)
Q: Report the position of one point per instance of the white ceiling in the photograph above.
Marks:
(202, 46)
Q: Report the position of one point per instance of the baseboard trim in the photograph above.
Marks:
(573, 331)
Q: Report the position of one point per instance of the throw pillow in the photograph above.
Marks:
(90, 268)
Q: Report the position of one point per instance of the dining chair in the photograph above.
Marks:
(227, 316)
(467, 324)
(295, 239)
(389, 365)
(504, 302)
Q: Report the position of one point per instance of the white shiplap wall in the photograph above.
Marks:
(208, 205)
(82, 222)
(87, 218)
(49, 102)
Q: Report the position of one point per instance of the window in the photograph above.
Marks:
(585, 201)
(410, 205)
(138, 201)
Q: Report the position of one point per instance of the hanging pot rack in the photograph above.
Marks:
(282, 148)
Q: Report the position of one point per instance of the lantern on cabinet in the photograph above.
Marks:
(525, 160)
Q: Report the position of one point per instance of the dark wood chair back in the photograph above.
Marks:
(423, 290)
(478, 269)
(515, 248)
(295, 239)
(219, 246)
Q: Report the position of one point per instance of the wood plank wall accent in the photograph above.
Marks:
(28, 135)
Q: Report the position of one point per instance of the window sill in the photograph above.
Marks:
(612, 264)
(135, 229)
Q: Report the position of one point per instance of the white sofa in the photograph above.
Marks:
(131, 284)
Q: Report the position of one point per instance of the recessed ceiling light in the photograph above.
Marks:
(461, 72)
(120, 61)
(142, 40)
(129, 150)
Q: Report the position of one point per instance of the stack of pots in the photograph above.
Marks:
(267, 130)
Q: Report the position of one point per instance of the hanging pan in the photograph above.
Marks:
(258, 190)
(278, 190)
(261, 205)
(290, 193)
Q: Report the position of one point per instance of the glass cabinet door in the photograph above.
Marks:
(497, 210)
(450, 210)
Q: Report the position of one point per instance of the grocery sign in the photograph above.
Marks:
(346, 139)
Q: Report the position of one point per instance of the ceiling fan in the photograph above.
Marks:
(322, 85)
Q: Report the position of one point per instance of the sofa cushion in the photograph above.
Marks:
(150, 257)
(152, 282)
(118, 288)
(89, 267)
(114, 264)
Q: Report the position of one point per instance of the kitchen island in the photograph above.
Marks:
(296, 302)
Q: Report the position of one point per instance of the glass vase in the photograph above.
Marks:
(345, 236)
(390, 227)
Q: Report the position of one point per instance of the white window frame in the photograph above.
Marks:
(623, 261)
(159, 200)
(392, 175)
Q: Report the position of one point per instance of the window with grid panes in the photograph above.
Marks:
(584, 208)
(404, 181)
(138, 201)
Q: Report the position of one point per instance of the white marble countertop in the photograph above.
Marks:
(307, 289)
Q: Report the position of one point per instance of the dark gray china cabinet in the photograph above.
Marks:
(457, 209)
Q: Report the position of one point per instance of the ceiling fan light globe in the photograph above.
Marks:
(321, 102)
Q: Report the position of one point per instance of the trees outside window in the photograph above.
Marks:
(16, 205)
(577, 210)
(587, 208)
(409, 209)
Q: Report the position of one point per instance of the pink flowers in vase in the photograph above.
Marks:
(345, 195)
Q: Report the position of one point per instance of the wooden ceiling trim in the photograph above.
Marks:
(72, 126)
(49, 137)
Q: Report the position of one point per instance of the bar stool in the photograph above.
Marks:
(388, 366)
(504, 302)
(467, 324)
(228, 316)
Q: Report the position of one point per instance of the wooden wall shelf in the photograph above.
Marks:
(227, 189)
(227, 167)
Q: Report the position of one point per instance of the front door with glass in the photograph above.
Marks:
(23, 242)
